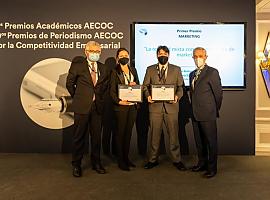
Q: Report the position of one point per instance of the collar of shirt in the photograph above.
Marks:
(201, 68)
(160, 66)
(90, 65)
(128, 78)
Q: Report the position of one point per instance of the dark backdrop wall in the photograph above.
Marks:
(20, 134)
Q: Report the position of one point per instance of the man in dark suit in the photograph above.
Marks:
(162, 111)
(87, 82)
(206, 98)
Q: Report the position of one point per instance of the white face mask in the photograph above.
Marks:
(93, 57)
(199, 62)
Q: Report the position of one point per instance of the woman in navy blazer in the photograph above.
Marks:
(125, 112)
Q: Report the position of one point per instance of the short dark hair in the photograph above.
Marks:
(119, 50)
(164, 48)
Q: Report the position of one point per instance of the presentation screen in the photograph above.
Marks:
(224, 42)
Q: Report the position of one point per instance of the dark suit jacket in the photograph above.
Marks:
(206, 97)
(81, 88)
(117, 77)
(174, 77)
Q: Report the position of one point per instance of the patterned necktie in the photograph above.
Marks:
(93, 73)
(197, 73)
(162, 72)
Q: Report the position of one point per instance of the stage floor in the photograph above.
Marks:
(48, 176)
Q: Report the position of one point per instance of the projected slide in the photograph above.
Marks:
(225, 45)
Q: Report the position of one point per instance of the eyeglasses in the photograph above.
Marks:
(92, 51)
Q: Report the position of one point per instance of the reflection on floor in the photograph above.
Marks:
(48, 176)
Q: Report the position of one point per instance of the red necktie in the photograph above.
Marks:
(93, 76)
(93, 73)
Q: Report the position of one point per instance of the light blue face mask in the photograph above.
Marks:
(93, 57)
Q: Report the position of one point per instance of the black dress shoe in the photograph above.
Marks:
(210, 174)
(99, 169)
(77, 171)
(199, 168)
(150, 165)
(180, 166)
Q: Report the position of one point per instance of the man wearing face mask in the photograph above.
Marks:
(206, 99)
(87, 82)
(162, 111)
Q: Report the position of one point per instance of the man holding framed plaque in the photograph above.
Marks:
(125, 92)
(163, 88)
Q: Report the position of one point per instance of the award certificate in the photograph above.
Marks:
(163, 92)
(130, 93)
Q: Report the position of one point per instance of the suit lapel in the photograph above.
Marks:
(156, 74)
(135, 75)
(132, 70)
(88, 75)
(121, 77)
(99, 71)
(201, 76)
(192, 75)
(169, 74)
